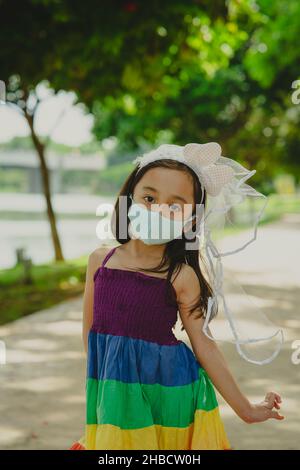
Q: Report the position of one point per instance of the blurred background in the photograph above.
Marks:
(85, 88)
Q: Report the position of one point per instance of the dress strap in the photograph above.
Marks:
(108, 255)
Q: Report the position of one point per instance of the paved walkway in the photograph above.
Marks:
(42, 402)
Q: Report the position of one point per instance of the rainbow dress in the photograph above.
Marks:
(145, 388)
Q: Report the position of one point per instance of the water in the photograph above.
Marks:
(77, 235)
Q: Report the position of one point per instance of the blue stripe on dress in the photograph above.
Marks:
(133, 360)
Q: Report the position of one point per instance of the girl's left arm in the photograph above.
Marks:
(213, 361)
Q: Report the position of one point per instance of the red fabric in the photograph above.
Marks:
(77, 446)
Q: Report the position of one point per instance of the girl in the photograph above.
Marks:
(145, 389)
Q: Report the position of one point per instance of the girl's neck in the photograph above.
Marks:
(137, 250)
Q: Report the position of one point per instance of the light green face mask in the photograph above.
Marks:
(152, 227)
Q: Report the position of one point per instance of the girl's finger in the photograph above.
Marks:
(276, 396)
(273, 399)
(271, 395)
(268, 397)
(274, 414)
(269, 400)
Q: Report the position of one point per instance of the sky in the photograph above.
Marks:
(73, 127)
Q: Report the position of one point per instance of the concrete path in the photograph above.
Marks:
(42, 387)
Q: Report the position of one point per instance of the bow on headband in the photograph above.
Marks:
(203, 158)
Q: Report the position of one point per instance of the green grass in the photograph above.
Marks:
(50, 283)
(280, 204)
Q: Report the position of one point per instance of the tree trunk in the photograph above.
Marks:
(46, 186)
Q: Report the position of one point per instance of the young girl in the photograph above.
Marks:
(145, 389)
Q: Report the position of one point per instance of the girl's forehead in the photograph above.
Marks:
(165, 181)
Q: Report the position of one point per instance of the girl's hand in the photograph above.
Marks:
(264, 410)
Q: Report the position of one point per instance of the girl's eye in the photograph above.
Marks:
(151, 197)
(175, 207)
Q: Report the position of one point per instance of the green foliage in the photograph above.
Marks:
(188, 71)
(17, 143)
(274, 54)
(13, 180)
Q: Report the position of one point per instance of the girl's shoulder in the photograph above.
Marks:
(186, 280)
(97, 256)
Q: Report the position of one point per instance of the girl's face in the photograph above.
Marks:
(166, 190)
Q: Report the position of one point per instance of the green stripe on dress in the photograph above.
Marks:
(136, 405)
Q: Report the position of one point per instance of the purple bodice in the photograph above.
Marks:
(134, 304)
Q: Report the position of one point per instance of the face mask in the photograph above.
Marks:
(152, 227)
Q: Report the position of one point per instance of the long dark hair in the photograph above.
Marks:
(175, 253)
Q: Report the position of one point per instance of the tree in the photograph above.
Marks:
(26, 102)
(82, 46)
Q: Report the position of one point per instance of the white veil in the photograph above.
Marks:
(242, 322)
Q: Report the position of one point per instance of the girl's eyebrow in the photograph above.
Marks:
(175, 196)
(150, 187)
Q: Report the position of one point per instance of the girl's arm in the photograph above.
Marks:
(213, 361)
(94, 261)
